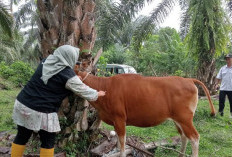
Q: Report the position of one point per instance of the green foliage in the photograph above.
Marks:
(6, 20)
(15, 44)
(79, 146)
(5, 70)
(114, 17)
(209, 29)
(115, 54)
(163, 54)
(85, 51)
(148, 23)
(7, 98)
(179, 73)
(19, 45)
(6, 84)
(26, 14)
(101, 67)
(108, 21)
(18, 72)
(71, 149)
(10, 47)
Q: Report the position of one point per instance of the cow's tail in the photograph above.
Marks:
(207, 94)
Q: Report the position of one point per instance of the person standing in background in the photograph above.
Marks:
(224, 77)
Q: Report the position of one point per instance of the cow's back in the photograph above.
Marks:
(148, 101)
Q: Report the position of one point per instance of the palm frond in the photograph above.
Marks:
(185, 23)
(33, 35)
(24, 13)
(131, 7)
(13, 2)
(110, 18)
(6, 20)
(148, 23)
(209, 29)
(184, 3)
(125, 35)
(9, 48)
(114, 17)
(229, 6)
(8, 53)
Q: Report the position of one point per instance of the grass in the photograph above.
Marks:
(7, 98)
(216, 133)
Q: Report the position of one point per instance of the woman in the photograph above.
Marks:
(37, 104)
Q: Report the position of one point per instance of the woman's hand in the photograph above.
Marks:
(101, 93)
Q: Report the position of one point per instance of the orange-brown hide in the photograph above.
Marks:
(143, 101)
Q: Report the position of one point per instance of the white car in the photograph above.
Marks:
(120, 69)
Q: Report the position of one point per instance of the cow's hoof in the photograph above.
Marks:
(122, 154)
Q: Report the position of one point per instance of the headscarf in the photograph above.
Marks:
(64, 56)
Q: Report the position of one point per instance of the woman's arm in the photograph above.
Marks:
(78, 87)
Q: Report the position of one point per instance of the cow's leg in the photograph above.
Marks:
(191, 133)
(184, 140)
(120, 128)
(118, 142)
(195, 146)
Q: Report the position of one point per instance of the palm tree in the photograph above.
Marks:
(206, 26)
(12, 43)
(10, 39)
(10, 47)
(207, 37)
(26, 18)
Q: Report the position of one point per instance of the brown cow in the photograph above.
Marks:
(148, 101)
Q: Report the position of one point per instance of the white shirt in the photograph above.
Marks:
(225, 75)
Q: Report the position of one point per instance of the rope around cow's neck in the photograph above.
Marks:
(86, 76)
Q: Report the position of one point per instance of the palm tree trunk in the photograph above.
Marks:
(207, 74)
(69, 22)
(66, 22)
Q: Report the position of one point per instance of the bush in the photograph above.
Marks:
(5, 70)
(101, 68)
(179, 73)
(18, 72)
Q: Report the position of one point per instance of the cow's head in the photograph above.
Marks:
(85, 65)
